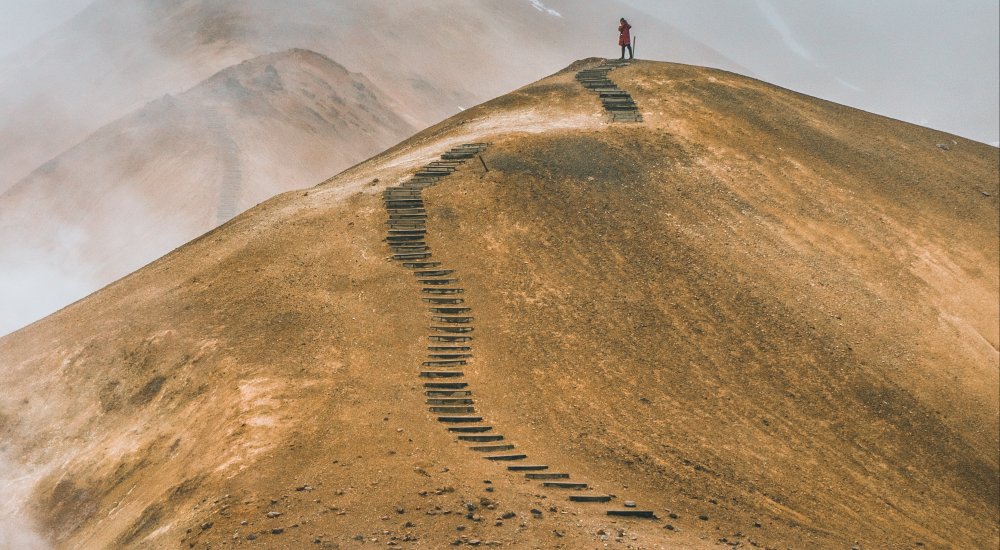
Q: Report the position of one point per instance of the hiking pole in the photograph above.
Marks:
(634, 40)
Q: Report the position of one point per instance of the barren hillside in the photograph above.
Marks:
(181, 165)
(424, 60)
(769, 319)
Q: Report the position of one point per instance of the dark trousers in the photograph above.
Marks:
(629, 46)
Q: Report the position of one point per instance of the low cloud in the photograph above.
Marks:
(16, 484)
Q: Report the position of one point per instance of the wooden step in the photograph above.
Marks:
(452, 409)
(449, 401)
(446, 393)
(527, 468)
(564, 485)
(445, 385)
(491, 448)
(633, 514)
(444, 301)
(480, 438)
(590, 498)
(470, 429)
(546, 475)
(441, 374)
(444, 338)
(460, 419)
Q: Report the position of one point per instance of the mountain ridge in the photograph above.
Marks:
(735, 312)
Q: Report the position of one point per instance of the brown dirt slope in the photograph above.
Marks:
(773, 312)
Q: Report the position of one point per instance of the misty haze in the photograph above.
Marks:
(451, 273)
(943, 67)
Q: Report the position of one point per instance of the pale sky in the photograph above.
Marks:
(24, 20)
(928, 62)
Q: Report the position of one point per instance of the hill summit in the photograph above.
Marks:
(766, 319)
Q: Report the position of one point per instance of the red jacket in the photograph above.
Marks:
(624, 37)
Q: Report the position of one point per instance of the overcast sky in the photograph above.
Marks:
(930, 62)
(24, 20)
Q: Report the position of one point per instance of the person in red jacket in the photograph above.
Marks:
(625, 37)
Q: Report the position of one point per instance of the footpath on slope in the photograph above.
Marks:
(448, 393)
(232, 176)
(617, 102)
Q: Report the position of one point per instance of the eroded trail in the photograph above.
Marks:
(232, 175)
(448, 392)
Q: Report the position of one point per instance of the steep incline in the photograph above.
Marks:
(766, 318)
(449, 349)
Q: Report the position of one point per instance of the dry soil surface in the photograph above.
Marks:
(773, 317)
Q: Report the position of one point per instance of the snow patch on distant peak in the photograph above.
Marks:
(538, 5)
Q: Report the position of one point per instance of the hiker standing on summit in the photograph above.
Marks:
(625, 37)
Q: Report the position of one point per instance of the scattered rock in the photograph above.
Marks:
(244, 522)
(558, 533)
(400, 510)
(944, 146)
(672, 515)
(703, 517)
(277, 531)
(757, 524)
(630, 504)
(669, 527)
(273, 514)
(251, 536)
(508, 515)
(536, 512)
